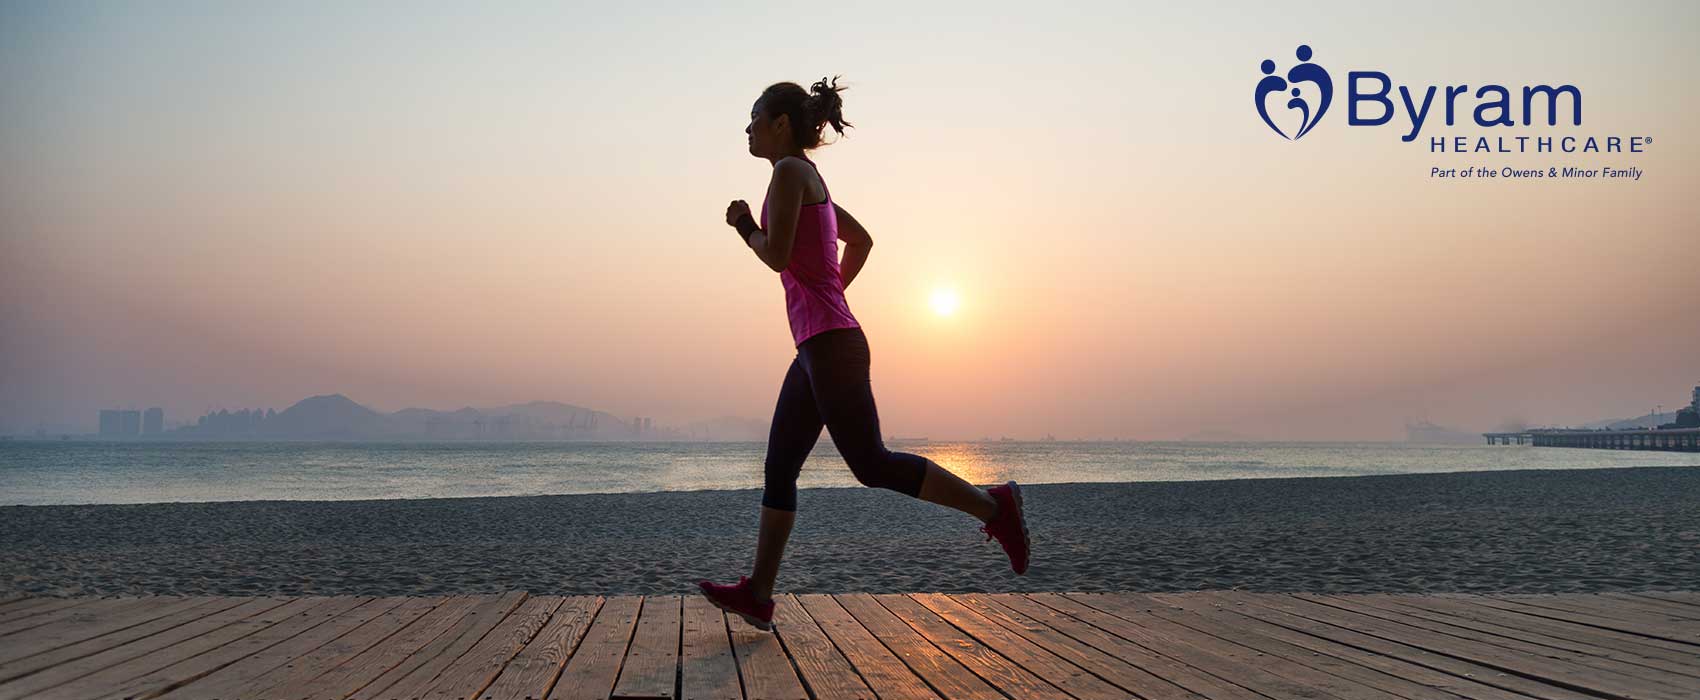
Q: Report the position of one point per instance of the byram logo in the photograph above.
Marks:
(1304, 72)
(1373, 99)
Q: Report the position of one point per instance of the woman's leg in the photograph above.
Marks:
(946, 489)
(838, 371)
(770, 548)
(792, 435)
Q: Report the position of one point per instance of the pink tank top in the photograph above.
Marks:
(814, 289)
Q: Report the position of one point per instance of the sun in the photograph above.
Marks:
(944, 302)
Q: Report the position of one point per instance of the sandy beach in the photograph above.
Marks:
(1517, 531)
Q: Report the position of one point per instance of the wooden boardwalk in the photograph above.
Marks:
(1046, 646)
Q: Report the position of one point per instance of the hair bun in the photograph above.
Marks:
(811, 111)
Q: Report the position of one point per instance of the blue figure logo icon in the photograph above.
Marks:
(1304, 72)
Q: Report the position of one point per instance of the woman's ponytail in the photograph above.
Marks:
(825, 108)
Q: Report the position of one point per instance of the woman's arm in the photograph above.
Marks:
(857, 244)
(784, 203)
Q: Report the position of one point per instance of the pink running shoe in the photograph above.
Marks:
(1010, 525)
(741, 601)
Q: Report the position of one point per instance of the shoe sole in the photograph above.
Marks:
(755, 622)
(1021, 516)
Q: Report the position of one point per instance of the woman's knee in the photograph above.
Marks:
(884, 469)
(780, 496)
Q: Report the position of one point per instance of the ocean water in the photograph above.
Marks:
(56, 473)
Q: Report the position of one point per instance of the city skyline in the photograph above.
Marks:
(469, 423)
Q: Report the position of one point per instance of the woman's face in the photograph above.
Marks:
(766, 133)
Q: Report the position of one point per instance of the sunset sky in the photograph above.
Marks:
(240, 205)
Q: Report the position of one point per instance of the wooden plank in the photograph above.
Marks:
(229, 682)
(880, 669)
(1468, 609)
(9, 612)
(1112, 658)
(1293, 656)
(592, 670)
(651, 668)
(1575, 638)
(138, 647)
(762, 663)
(409, 678)
(1224, 612)
(946, 675)
(708, 671)
(292, 678)
(480, 665)
(1005, 674)
(1654, 605)
(93, 609)
(1623, 611)
(8, 601)
(823, 670)
(271, 629)
(358, 671)
(1691, 599)
(1685, 634)
(1410, 647)
(532, 673)
(1521, 643)
(1274, 609)
(159, 667)
(1076, 681)
(103, 681)
(42, 640)
(1549, 669)
(41, 606)
(1084, 634)
(1234, 663)
(35, 662)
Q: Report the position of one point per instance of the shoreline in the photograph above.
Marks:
(1522, 531)
(800, 489)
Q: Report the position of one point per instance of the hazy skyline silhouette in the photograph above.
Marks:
(438, 206)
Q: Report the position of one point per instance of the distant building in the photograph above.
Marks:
(108, 422)
(1687, 416)
(153, 421)
(114, 422)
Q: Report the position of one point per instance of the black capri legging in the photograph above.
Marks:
(828, 385)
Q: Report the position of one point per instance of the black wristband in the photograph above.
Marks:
(746, 225)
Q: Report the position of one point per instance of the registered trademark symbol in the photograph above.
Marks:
(1647, 140)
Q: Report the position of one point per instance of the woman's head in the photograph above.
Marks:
(786, 119)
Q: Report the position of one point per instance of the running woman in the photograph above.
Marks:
(827, 384)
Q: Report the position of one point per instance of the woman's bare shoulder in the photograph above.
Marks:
(792, 168)
(796, 172)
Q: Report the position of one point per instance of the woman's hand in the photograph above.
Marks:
(738, 209)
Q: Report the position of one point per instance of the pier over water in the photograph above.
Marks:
(1668, 439)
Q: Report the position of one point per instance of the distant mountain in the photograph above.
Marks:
(331, 417)
(337, 417)
(1650, 420)
(538, 420)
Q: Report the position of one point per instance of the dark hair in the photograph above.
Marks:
(810, 112)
